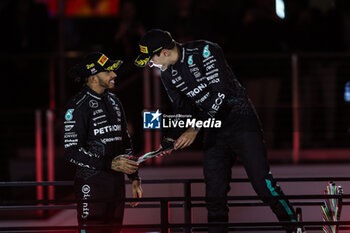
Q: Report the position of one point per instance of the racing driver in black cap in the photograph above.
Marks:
(96, 140)
(199, 82)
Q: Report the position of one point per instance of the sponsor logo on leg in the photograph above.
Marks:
(86, 195)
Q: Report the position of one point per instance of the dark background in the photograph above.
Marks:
(38, 47)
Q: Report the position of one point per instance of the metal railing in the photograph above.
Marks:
(187, 202)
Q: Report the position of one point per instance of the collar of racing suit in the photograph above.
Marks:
(181, 50)
(94, 94)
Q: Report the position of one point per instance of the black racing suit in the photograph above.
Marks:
(202, 84)
(96, 132)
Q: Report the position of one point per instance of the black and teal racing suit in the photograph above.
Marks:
(95, 132)
(202, 84)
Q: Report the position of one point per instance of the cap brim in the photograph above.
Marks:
(142, 60)
(113, 65)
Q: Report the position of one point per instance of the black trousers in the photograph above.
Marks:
(239, 137)
(101, 200)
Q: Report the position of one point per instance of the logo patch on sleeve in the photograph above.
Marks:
(190, 60)
(206, 51)
(69, 114)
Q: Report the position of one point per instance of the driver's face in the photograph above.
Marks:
(160, 61)
(106, 79)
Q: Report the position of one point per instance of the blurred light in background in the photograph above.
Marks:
(85, 8)
(347, 92)
(280, 10)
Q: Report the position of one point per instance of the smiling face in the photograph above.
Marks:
(165, 58)
(106, 79)
(102, 81)
(160, 61)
